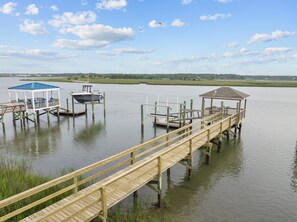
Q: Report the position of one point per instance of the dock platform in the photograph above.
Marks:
(16, 108)
(65, 112)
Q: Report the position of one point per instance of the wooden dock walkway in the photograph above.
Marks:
(16, 108)
(92, 190)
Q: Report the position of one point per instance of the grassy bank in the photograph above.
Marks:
(247, 83)
(17, 176)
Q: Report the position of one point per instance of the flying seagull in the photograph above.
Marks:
(141, 29)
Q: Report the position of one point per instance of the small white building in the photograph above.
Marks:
(36, 96)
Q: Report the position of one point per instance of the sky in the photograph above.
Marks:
(248, 37)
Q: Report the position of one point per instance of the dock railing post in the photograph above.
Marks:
(132, 158)
(75, 182)
(191, 115)
(222, 109)
(103, 203)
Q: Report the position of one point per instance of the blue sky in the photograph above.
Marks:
(149, 36)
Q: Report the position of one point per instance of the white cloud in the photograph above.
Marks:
(214, 17)
(8, 8)
(233, 45)
(155, 24)
(262, 60)
(178, 23)
(34, 28)
(294, 56)
(36, 54)
(186, 2)
(276, 50)
(223, 1)
(54, 8)
(269, 37)
(133, 51)
(142, 58)
(94, 36)
(242, 52)
(32, 10)
(69, 18)
(111, 4)
(121, 51)
(101, 32)
(107, 53)
(79, 44)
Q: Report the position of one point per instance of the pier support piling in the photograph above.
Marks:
(167, 118)
(104, 104)
(67, 107)
(142, 118)
(73, 113)
(155, 117)
(93, 107)
(135, 198)
(208, 154)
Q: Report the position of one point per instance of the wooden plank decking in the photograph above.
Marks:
(124, 173)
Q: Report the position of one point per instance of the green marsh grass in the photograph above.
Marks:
(16, 177)
(245, 83)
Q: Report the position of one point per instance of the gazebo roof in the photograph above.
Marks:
(225, 93)
(33, 86)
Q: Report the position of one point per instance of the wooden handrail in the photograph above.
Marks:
(75, 174)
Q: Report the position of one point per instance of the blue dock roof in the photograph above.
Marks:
(34, 86)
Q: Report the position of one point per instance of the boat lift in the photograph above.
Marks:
(177, 119)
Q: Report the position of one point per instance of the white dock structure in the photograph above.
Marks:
(36, 97)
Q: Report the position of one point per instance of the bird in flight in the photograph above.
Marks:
(140, 29)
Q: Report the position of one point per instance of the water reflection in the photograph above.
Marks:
(89, 133)
(228, 163)
(33, 141)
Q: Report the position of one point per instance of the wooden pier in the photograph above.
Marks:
(94, 189)
(16, 108)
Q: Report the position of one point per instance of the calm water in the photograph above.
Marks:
(254, 178)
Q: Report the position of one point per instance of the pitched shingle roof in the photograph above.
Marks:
(225, 93)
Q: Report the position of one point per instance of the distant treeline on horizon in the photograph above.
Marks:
(178, 76)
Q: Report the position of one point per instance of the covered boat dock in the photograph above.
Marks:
(32, 98)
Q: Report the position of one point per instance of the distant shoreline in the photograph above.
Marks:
(243, 83)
